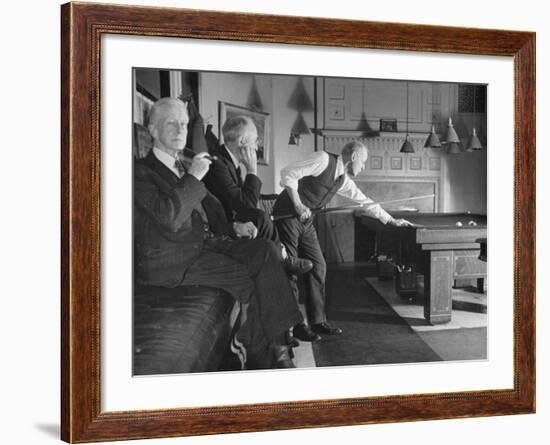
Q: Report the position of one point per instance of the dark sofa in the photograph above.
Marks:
(181, 330)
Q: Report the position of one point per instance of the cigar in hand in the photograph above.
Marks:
(190, 154)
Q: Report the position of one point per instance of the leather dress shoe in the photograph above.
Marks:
(303, 332)
(297, 266)
(326, 329)
(291, 341)
(281, 357)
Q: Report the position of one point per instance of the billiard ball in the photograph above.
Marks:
(472, 224)
(459, 224)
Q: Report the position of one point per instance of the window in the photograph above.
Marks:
(466, 96)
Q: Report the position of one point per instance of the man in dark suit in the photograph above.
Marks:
(240, 197)
(182, 237)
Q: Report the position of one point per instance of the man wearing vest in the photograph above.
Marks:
(310, 184)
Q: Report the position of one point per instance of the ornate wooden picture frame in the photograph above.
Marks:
(82, 26)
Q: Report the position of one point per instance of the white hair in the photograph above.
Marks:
(354, 146)
(160, 105)
(234, 127)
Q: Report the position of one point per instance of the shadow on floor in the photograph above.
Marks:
(49, 429)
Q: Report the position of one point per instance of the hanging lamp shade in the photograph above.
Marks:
(473, 142)
(433, 139)
(407, 147)
(452, 137)
(293, 139)
(300, 127)
(454, 148)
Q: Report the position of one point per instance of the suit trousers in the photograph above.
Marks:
(300, 239)
(252, 272)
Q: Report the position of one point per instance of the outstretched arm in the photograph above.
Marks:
(350, 190)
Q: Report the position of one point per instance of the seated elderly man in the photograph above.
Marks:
(182, 237)
(240, 197)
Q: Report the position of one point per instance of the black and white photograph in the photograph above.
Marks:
(275, 227)
(184, 266)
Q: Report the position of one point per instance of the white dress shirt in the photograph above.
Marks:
(314, 165)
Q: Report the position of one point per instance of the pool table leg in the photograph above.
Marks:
(438, 278)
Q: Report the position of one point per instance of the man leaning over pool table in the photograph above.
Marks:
(311, 184)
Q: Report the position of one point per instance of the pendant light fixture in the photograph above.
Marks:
(299, 129)
(473, 141)
(433, 139)
(300, 102)
(452, 137)
(454, 148)
(407, 147)
(453, 142)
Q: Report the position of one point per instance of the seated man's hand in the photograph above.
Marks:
(245, 230)
(400, 222)
(200, 165)
(249, 159)
(304, 212)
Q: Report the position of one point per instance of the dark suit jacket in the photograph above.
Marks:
(168, 230)
(223, 181)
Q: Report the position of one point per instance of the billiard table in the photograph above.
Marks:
(444, 252)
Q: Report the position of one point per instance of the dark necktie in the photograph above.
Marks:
(239, 176)
(180, 167)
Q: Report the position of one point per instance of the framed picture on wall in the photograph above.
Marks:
(102, 399)
(388, 125)
(261, 120)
